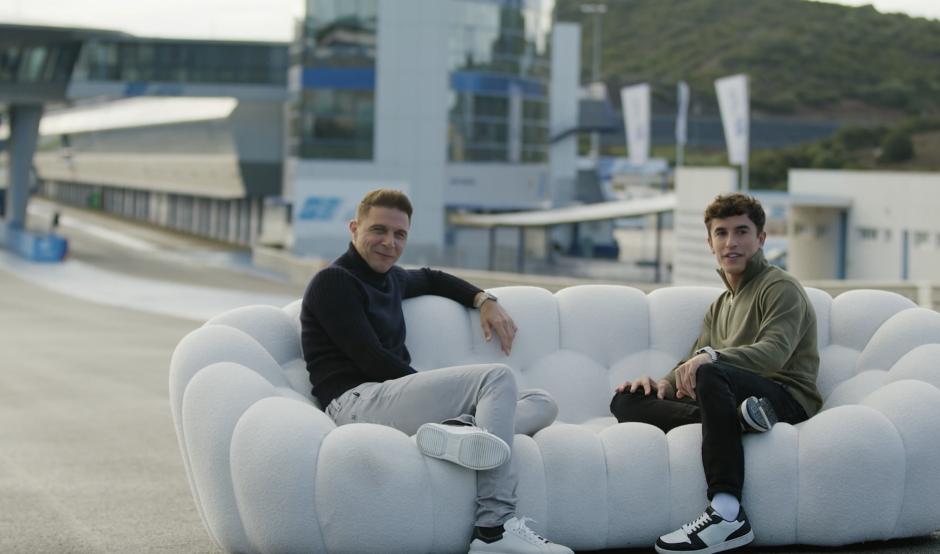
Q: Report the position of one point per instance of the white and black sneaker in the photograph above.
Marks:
(465, 445)
(709, 533)
(757, 415)
(516, 538)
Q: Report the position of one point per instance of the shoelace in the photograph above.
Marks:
(696, 525)
(528, 534)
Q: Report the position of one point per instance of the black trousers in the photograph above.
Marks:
(719, 390)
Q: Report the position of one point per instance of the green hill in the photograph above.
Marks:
(804, 58)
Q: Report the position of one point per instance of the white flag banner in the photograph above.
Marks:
(682, 117)
(636, 121)
(735, 116)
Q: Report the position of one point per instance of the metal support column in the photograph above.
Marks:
(492, 249)
(549, 246)
(658, 277)
(520, 254)
(24, 132)
(842, 252)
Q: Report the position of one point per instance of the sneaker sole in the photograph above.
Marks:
(477, 451)
(769, 421)
(743, 540)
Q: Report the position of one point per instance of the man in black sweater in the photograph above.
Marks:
(353, 337)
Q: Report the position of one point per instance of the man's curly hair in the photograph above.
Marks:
(730, 205)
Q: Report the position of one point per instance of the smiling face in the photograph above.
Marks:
(734, 240)
(380, 235)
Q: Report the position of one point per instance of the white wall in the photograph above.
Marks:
(411, 89)
(696, 187)
(563, 111)
(886, 206)
(497, 186)
(813, 244)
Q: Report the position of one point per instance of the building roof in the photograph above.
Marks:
(819, 201)
(135, 112)
(570, 214)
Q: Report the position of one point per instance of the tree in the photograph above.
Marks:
(897, 146)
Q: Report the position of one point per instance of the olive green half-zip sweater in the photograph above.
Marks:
(767, 326)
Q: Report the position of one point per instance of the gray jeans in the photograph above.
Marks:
(483, 395)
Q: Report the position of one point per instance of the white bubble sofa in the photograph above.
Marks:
(271, 473)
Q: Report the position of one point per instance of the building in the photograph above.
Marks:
(447, 100)
(186, 134)
(883, 228)
(205, 166)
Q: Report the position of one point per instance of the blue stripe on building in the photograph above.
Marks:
(353, 78)
(497, 85)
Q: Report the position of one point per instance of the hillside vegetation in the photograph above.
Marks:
(803, 58)
(879, 72)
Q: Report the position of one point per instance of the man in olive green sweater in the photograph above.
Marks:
(754, 363)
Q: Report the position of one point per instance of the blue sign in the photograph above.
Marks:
(322, 208)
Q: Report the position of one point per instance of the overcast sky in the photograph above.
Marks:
(240, 19)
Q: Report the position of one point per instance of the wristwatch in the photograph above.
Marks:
(708, 350)
(479, 299)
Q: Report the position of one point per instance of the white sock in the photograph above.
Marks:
(727, 505)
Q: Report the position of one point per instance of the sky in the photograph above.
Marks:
(242, 19)
(262, 20)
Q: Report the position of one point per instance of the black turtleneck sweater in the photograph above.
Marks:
(352, 325)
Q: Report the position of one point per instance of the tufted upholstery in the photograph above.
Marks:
(270, 472)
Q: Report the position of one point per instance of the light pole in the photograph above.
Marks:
(597, 10)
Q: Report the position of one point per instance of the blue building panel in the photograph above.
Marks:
(351, 78)
(497, 85)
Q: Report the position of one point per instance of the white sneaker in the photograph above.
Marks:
(707, 534)
(468, 446)
(517, 538)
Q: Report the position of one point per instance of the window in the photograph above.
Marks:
(168, 61)
(335, 115)
(336, 124)
(499, 81)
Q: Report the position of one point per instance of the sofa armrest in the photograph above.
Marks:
(275, 447)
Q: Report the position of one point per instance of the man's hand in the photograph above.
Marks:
(662, 387)
(685, 375)
(494, 319)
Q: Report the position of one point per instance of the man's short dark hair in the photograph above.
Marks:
(384, 198)
(730, 205)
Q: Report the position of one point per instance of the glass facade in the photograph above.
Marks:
(335, 111)
(499, 63)
(37, 64)
(180, 61)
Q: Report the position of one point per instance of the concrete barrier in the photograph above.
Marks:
(35, 247)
